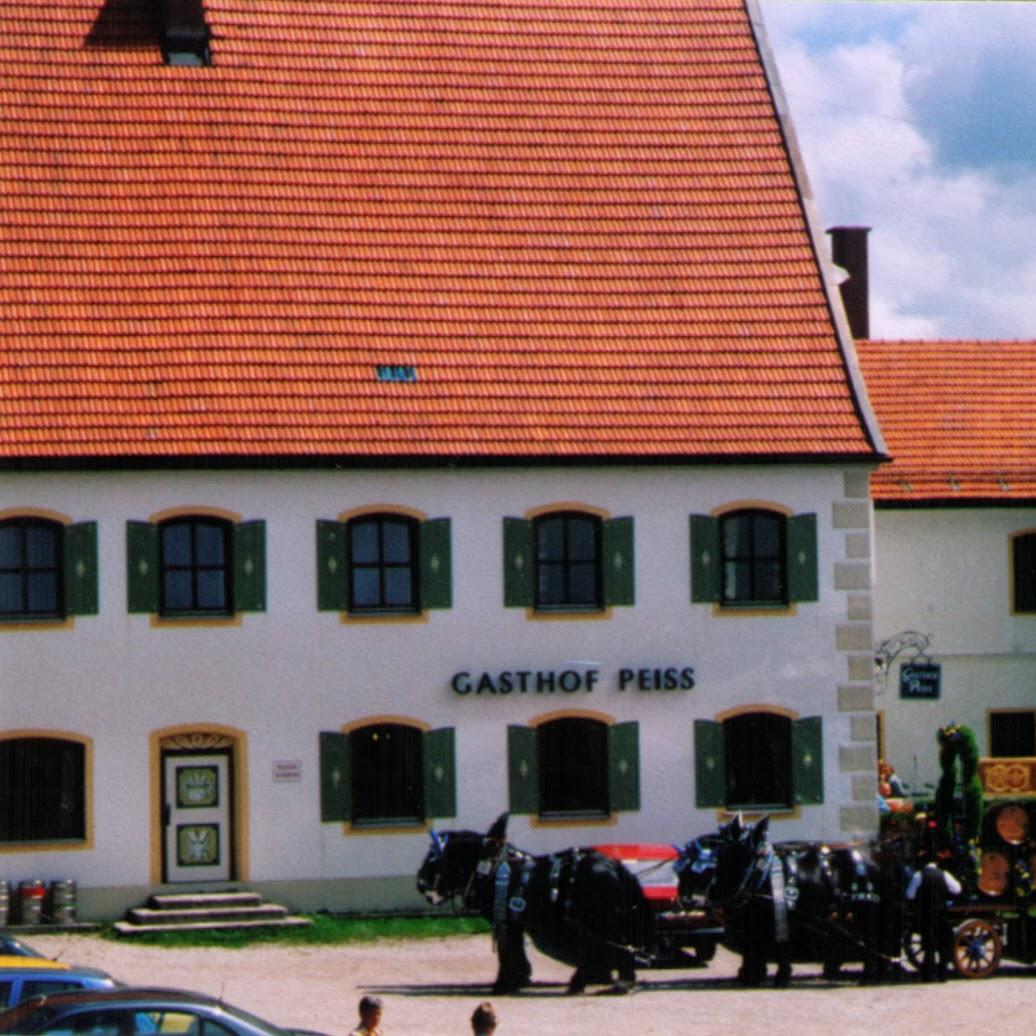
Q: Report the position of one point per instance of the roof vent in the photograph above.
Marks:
(185, 34)
(849, 250)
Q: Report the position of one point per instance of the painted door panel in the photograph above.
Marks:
(197, 813)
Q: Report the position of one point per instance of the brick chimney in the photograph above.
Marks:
(849, 251)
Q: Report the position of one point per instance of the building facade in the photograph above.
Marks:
(411, 416)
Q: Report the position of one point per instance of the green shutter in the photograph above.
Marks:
(250, 567)
(332, 567)
(710, 764)
(141, 567)
(523, 771)
(617, 561)
(81, 569)
(436, 580)
(335, 777)
(518, 563)
(440, 773)
(807, 760)
(706, 560)
(623, 767)
(801, 545)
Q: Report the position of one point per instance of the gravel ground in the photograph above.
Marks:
(431, 987)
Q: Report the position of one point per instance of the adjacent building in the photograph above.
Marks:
(408, 413)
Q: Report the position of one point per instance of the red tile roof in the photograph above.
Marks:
(575, 221)
(959, 419)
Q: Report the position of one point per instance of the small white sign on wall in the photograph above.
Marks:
(287, 769)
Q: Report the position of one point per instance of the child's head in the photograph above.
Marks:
(483, 1021)
(370, 1011)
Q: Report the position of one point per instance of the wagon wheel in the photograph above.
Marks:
(977, 948)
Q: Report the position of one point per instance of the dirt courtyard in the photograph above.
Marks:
(431, 987)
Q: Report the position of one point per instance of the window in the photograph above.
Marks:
(31, 568)
(196, 566)
(568, 561)
(185, 34)
(194, 557)
(47, 570)
(383, 564)
(1025, 572)
(387, 773)
(1012, 734)
(574, 766)
(753, 557)
(42, 790)
(758, 760)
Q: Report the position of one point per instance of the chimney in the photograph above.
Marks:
(849, 251)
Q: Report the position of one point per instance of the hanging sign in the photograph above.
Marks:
(920, 681)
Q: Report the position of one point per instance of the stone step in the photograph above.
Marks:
(173, 915)
(127, 928)
(196, 900)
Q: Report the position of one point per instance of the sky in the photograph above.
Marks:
(918, 119)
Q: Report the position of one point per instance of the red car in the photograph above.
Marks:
(684, 936)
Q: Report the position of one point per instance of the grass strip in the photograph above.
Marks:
(326, 929)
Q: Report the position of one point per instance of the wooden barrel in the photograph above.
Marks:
(995, 876)
(1012, 823)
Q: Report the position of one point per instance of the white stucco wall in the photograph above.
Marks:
(946, 572)
(286, 674)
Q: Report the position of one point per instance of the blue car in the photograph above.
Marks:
(22, 978)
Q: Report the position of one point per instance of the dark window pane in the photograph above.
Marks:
(1012, 734)
(40, 546)
(767, 537)
(573, 766)
(582, 543)
(364, 542)
(550, 539)
(550, 581)
(209, 540)
(737, 580)
(177, 590)
(176, 544)
(758, 750)
(768, 581)
(366, 590)
(737, 537)
(212, 589)
(42, 784)
(583, 583)
(1025, 573)
(387, 768)
(398, 585)
(42, 589)
(10, 546)
(10, 593)
(396, 542)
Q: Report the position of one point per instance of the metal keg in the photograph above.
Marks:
(30, 901)
(63, 902)
(5, 902)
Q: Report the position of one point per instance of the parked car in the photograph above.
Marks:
(22, 978)
(126, 1011)
(12, 946)
(683, 935)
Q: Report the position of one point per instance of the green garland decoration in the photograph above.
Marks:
(957, 742)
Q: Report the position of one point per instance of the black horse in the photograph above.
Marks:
(796, 902)
(578, 906)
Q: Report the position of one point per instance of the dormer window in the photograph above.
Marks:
(185, 34)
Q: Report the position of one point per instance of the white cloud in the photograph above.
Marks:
(953, 244)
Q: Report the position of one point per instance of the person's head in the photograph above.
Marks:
(483, 1021)
(370, 1011)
